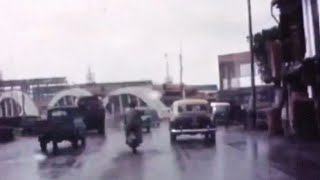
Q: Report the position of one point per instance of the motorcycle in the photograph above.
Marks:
(133, 141)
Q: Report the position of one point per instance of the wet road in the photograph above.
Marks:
(235, 156)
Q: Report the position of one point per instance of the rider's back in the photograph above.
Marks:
(133, 118)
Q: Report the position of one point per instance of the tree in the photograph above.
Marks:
(261, 53)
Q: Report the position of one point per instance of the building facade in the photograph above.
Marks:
(235, 81)
(235, 71)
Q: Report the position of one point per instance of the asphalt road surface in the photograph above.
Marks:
(237, 155)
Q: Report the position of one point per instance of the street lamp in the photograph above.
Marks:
(254, 114)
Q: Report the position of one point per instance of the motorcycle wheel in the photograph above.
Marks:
(134, 150)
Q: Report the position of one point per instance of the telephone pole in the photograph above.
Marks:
(254, 113)
(181, 73)
(168, 79)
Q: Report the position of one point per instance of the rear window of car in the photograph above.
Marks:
(196, 107)
(59, 113)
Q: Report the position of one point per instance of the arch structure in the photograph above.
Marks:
(17, 103)
(146, 97)
(68, 97)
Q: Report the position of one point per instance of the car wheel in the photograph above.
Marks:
(43, 146)
(213, 137)
(173, 137)
(75, 144)
(148, 129)
(55, 148)
(101, 130)
(83, 141)
(210, 137)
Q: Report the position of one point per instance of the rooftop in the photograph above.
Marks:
(240, 57)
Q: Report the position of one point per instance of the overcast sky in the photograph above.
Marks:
(123, 40)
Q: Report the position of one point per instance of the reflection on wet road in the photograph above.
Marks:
(235, 156)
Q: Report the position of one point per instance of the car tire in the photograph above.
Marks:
(213, 137)
(148, 129)
(173, 137)
(55, 148)
(83, 141)
(210, 137)
(75, 144)
(43, 146)
(101, 130)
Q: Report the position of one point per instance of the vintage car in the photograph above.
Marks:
(192, 116)
(94, 113)
(63, 123)
(220, 112)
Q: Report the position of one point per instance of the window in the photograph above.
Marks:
(59, 113)
(197, 107)
(245, 69)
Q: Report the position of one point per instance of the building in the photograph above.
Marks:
(235, 80)
(235, 71)
(173, 92)
(45, 94)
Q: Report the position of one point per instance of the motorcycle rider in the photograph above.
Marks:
(133, 122)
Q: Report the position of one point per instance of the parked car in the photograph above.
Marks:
(192, 116)
(94, 113)
(220, 112)
(63, 123)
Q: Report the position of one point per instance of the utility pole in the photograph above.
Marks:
(168, 79)
(316, 88)
(181, 73)
(254, 113)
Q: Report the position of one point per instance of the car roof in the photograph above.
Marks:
(190, 101)
(64, 108)
(220, 103)
(144, 108)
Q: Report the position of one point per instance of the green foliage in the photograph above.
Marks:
(260, 51)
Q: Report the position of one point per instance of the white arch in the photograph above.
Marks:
(29, 106)
(148, 95)
(77, 92)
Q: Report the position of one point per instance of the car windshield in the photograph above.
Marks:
(59, 115)
(221, 108)
(64, 114)
(196, 107)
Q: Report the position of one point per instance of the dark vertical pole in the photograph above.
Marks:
(315, 19)
(252, 68)
(167, 68)
(316, 88)
(181, 73)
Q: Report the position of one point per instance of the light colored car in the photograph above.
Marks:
(192, 116)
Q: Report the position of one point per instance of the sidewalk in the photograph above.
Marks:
(298, 159)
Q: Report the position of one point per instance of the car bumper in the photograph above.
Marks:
(192, 131)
